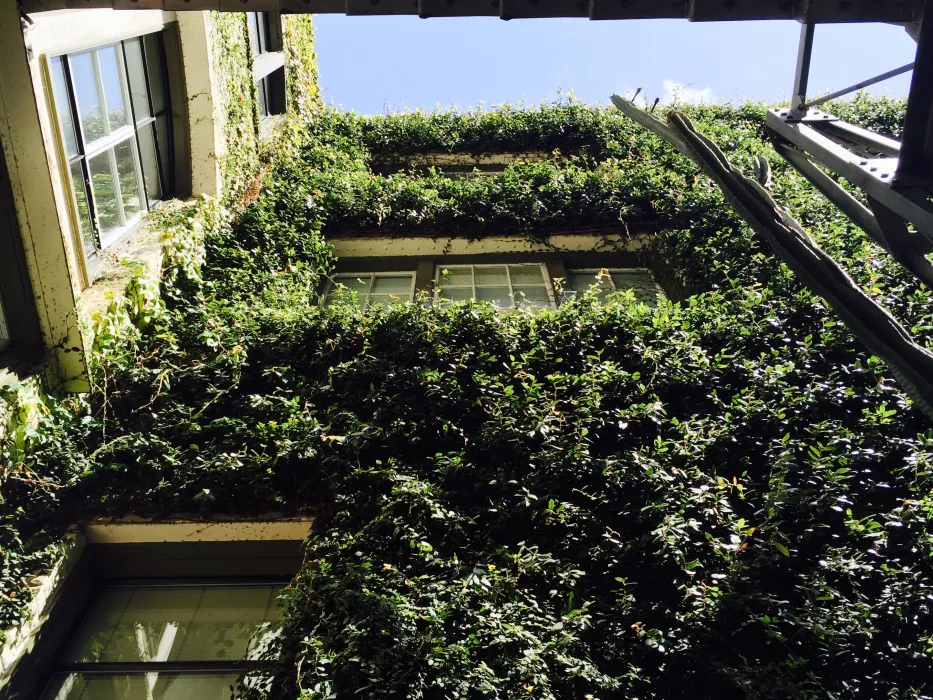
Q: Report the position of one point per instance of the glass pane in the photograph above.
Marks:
(263, 98)
(150, 163)
(389, 299)
(252, 22)
(63, 106)
(532, 296)
(142, 686)
(152, 43)
(136, 76)
(455, 277)
(83, 210)
(640, 281)
(114, 93)
(164, 137)
(262, 29)
(486, 276)
(4, 331)
(526, 274)
(399, 285)
(356, 283)
(222, 623)
(128, 171)
(497, 295)
(105, 197)
(85, 86)
(581, 281)
(456, 294)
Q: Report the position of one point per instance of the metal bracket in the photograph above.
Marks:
(873, 175)
(805, 116)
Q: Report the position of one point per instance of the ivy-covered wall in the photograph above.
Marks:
(237, 93)
(720, 498)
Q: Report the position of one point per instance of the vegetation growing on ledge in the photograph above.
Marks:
(724, 498)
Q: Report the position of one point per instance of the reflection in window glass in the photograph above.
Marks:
(216, 623)
(154, 626)
(125, 155)
(142, 686)
(114, 94)
(4, 330)
(607, 281)
(66, 122)
(85, 225)
(152, 44)
(105, 195)
(506, 286)
(150, 163)
(85, 86)
(370, 289)
(117, 94)
(136, 76)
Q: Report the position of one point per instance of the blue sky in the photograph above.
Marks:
(370, 64)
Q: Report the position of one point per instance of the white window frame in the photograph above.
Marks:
(547, 283)
(364, 299)
(111, 139)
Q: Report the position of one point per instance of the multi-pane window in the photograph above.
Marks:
(268, 62)
(166, 642)
(607, 281)
(506, 286)
(115, 119)
(370, 288)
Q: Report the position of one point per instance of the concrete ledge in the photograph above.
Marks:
(372, 246)
(19, 641)
(140, 531)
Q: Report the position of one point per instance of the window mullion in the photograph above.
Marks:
(82, 150)
(99, 79)
(508, 279)
(117, 191)
(369, 289)
(473, 279)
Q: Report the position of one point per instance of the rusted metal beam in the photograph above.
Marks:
(899, 11)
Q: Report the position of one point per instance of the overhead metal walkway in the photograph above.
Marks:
(897, 11)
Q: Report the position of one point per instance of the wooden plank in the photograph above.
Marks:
(529, 9)
(458, 8)
(137, 4)
(733, 10)
(637, 9)
(190, 5)
(42, 5)
(860, 10)
(87, 4)
(381, 7)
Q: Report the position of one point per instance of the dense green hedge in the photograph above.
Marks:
(724, 498)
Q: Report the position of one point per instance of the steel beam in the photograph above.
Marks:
(898, 11)
(916, 163)
(873, 176)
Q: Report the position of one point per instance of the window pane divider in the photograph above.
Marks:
(114, 139)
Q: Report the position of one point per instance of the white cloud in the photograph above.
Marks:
(684, 94)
